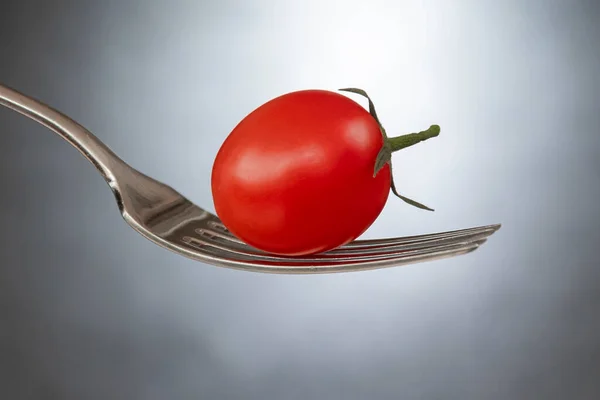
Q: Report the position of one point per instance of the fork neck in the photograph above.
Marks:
(104, 159)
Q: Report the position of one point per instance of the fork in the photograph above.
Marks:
(168, 219)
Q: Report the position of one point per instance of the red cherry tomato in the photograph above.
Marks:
(296, 176)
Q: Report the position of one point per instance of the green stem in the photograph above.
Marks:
(384, 157)
(404, 141)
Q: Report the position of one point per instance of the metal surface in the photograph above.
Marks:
(167, 218)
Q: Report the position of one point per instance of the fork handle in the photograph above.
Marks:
(83, 140)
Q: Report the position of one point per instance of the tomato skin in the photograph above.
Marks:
(295, 177)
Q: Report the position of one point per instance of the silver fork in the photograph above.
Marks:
(168, 219)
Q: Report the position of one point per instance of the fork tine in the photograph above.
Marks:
(416, 242)
(218, 226)
(220, 230)
(385, 246)
(253, 264)
(223, 233)
(419, 238)
(392, 251)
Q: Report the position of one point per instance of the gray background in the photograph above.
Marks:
(91, 310)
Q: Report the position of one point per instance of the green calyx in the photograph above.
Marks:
(394, 144)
